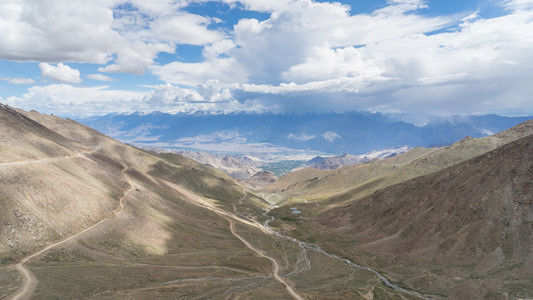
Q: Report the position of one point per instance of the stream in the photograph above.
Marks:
(303, 256)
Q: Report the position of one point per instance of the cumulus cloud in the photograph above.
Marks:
(135, 57)
(210, 91)
(304, 42)
(127, 35)
(185, 29)
(304, 55)
(390, 61)
(217, 66)
(65, 99)
(34, 31)
(325, 63)
(304, 31)
(61, 73)
(169, 94)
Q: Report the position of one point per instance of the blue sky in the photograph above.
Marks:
(76, 58)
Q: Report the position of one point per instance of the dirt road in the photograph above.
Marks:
(43, 160)
(231, 218)
(29, 282)
(275, 265)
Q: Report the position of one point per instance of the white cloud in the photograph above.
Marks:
(61, 73)
(100, 77)
(306, 55)
(226, 70)
(64, 99)
(518, 4)
(67, 99)
(479, 66)
(185, 29)
(56, 31)
(325, 63)
(335, 85)
(210, 91)
(299, 39)
(331, 136)
(135, 57)
(168, 94)
(98, 32)
(398, 7)
(19, 80)
(261, 5)
(297, 33)
(300, 137)
(224, 141)
(215, 137)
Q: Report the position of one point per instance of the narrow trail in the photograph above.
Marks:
(275, 265)
(302, 258)
(231, 218)
(42, 160)
(29, 282)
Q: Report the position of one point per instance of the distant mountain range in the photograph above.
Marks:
(353, 133)
(244, 167)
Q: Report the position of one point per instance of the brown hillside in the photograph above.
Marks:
(464, 232)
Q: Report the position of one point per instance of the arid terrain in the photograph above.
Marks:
(85, 216)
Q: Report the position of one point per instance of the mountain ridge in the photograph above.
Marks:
(426, 224)
(354, 133)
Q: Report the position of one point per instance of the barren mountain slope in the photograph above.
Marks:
(312, 184)
(21, 138)
(260, 179)
(464, 232)
(236, 167)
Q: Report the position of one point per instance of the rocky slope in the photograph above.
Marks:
(260, 179)
(334, 162)
(238, 167)
(345, 159)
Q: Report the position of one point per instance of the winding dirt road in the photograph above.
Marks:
(275, 265)
(29, 282)
(233, 217)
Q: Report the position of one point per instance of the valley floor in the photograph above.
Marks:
(294, 273)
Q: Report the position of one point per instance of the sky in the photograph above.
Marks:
(426, 57)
